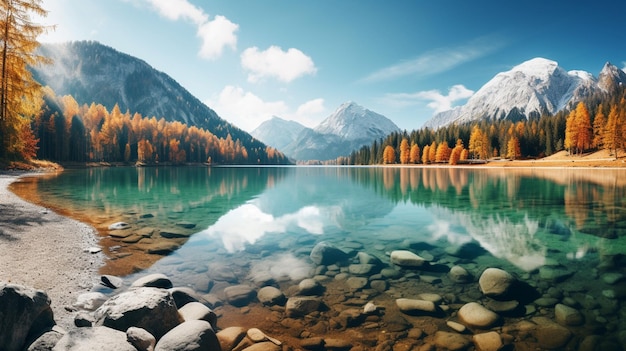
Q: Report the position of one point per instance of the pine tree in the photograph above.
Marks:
(20, 94)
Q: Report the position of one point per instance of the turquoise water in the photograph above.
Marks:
(245, 225)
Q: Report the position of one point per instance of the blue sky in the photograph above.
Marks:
(405, 59)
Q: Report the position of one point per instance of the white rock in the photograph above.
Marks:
(190, 335)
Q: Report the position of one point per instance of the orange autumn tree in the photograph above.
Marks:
(578, 132)
(443, 152)
(404, 152)
(414, 154)
(456, 153)
(19, 92)
(389, 155)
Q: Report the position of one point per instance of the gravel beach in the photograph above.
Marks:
(44, 250)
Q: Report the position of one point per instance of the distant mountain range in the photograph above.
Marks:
(348, 128)
(92, 72)
(534, 87)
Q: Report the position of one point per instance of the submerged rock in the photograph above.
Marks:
(568, 316)
(119, 226)
(405, 258)
(475, 315)
(270, 296)
(301, 306)
(416, 307)
(326, 254)
(495, 282)
(156, 280)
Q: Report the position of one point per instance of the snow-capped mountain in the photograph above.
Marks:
(277, 132)
(533, 87)
(348, 128)
(352, 122)
(92, 72)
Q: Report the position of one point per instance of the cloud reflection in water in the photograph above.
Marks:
(247, 224)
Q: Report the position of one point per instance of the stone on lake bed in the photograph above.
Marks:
(301, 306)
(121, 233)
(119, 226)
(186, 225)
(310, 287)
(239, 295)
(270, 296)
(475, 315)
(406, 258)
(326, 254)
(568, 316)
(554, 273)
(356, 283)
(459, 275)
(495, 282)
(172, 233)
(451, 341)
(155, 280)
(415, 306)
(162, 248)
(490, 341)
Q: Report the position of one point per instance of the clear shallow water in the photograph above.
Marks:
(254, 225)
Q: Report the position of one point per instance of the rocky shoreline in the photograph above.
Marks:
(340, 307)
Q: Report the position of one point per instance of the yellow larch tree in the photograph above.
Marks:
(414, 155)
(599, 123)
(432, 152)
(425, 154)
(20, 94)
(389, 155)
(513, 150)
(404, 152)
(443, 152)
(479, 143)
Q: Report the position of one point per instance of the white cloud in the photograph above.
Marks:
(310, 113)
(311, 107)
(215, 34)
(244, 109)
(437, 61)
(247, 110)
(179, 9)
(276, 63)
(437, 101)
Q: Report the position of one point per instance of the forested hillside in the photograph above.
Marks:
(69, 132)
(597, 123)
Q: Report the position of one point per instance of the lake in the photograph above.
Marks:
(560, 232)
